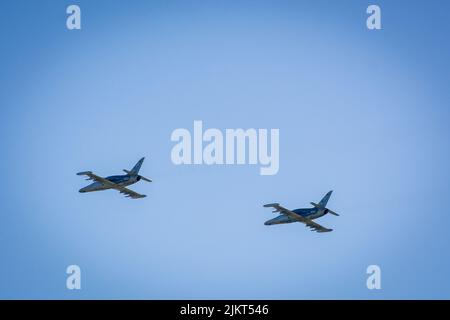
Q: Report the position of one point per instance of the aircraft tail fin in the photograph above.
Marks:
(137, 167)
(324, 201)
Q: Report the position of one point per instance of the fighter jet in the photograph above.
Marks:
(116, 182)
(302, 215)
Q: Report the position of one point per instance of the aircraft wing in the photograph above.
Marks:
(309, 223)
(129, 193)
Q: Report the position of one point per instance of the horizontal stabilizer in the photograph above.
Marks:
(145, 179)
(139, 176)
(327, 210)
(315, 205)
(332, 212)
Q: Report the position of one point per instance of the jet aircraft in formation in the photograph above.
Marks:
(118, 183)
(306, 215)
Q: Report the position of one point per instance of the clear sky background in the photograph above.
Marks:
(363, 113)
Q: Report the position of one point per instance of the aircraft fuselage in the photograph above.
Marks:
(121, 180)
(310, 213)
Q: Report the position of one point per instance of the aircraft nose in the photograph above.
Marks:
(82, 190)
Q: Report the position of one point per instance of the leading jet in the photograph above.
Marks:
(302, 215)
(116, 182)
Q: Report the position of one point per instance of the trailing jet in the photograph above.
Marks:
(302, 215)
(116, 182)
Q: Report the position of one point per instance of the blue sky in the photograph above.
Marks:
(363, 113)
